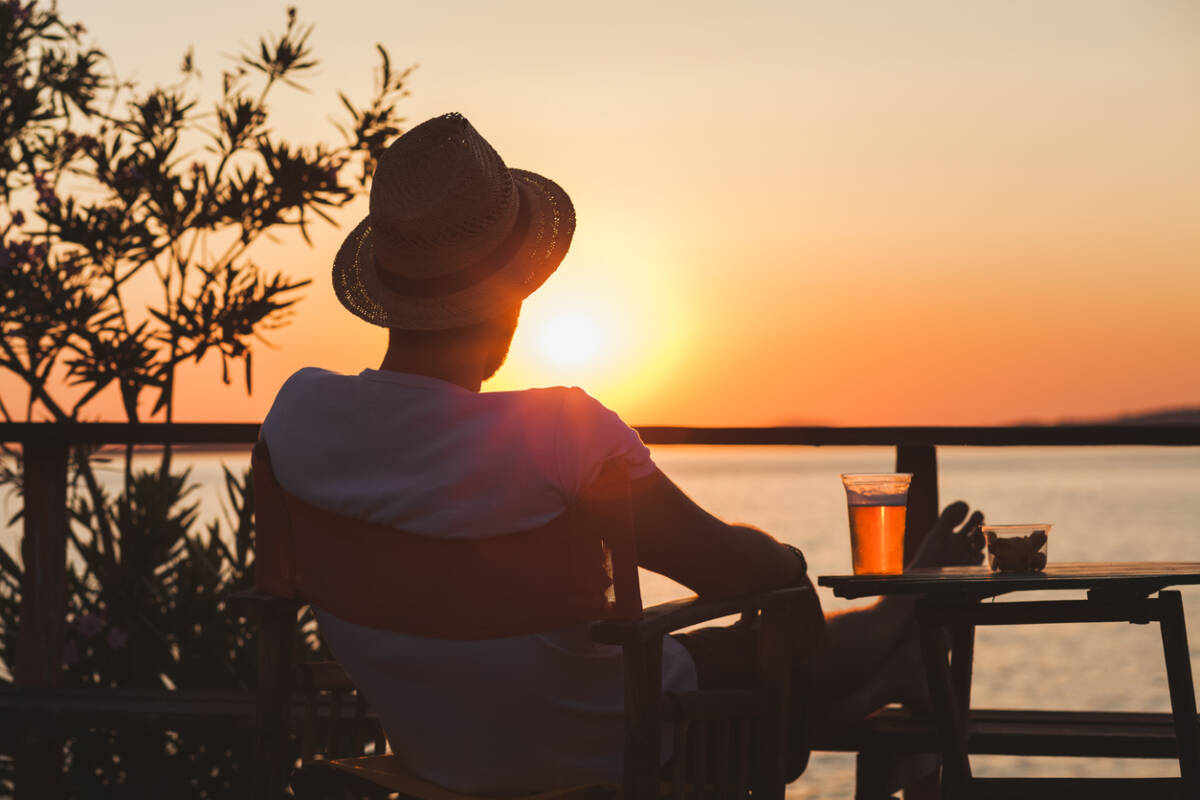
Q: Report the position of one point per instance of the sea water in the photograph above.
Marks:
(1106, 504)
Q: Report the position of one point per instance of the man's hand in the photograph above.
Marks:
(943, 546)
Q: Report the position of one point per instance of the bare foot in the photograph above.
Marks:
(944, 546)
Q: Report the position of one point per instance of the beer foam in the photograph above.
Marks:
(857, 497)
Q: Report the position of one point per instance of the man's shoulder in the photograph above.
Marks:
(306, 389)
(542, 392)
(308, 376)
(571, 401)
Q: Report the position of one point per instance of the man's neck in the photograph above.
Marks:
(456, 368)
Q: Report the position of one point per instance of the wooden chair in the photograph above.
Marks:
(579, 568)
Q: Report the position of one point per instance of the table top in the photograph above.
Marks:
(1142, 577)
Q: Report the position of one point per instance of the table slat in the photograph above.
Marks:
(1140, 576)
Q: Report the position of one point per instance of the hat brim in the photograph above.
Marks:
(551, 226)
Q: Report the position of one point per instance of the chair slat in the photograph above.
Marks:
(360, 720)
(679, 760)
(700, 759)
(308, 734)
(381, 744)
(335, 719)
(745, 729)
(720, 704)
(721, 776)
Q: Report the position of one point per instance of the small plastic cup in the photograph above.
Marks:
(878, 504)
(1017, 548)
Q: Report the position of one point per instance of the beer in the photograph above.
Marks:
(878, 504)
(877, 539)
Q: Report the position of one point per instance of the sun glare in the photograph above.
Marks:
(573, 338)
(588, 328)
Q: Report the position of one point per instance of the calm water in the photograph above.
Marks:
(1107, 504)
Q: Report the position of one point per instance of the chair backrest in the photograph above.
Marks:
(580, 567)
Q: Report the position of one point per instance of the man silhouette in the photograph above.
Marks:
(453, 243)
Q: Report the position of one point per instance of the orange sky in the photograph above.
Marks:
(902, 212)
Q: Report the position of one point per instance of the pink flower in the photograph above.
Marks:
(117, 638)
(89, 625)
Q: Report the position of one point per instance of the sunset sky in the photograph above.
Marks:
(832, 212)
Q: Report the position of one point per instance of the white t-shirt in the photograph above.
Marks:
(430, 457)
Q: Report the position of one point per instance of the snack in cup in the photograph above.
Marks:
(1017, 548)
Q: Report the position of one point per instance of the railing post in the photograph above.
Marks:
(41, 628)
(921, 461)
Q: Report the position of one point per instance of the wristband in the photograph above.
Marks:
(796, 552)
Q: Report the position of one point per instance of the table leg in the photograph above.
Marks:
(948, 716)
(1183, 693)
(962, 659)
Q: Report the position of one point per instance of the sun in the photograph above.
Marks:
(573, 338)
(591, 328)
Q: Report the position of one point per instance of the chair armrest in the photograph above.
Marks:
(659, 620)
(252, 603)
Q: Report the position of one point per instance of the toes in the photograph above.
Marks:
(967, 546)
(953, 514)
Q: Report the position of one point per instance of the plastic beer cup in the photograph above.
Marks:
(877, 503)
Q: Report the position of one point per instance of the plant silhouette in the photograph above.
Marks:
(109, 190)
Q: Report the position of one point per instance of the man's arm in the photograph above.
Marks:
(679, 539)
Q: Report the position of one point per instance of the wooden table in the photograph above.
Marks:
(948, 604)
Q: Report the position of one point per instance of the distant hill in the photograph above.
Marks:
(1167, 416)
(1184, 415)
(1170, 416)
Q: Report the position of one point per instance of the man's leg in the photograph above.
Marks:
(898, 678)
(858, 645)
(838, 707)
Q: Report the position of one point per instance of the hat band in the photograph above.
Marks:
(464, 278)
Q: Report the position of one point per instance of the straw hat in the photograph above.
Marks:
(453, 236)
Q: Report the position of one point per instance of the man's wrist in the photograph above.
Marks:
(798, 554)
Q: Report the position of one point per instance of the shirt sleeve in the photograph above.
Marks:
(588, 436)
